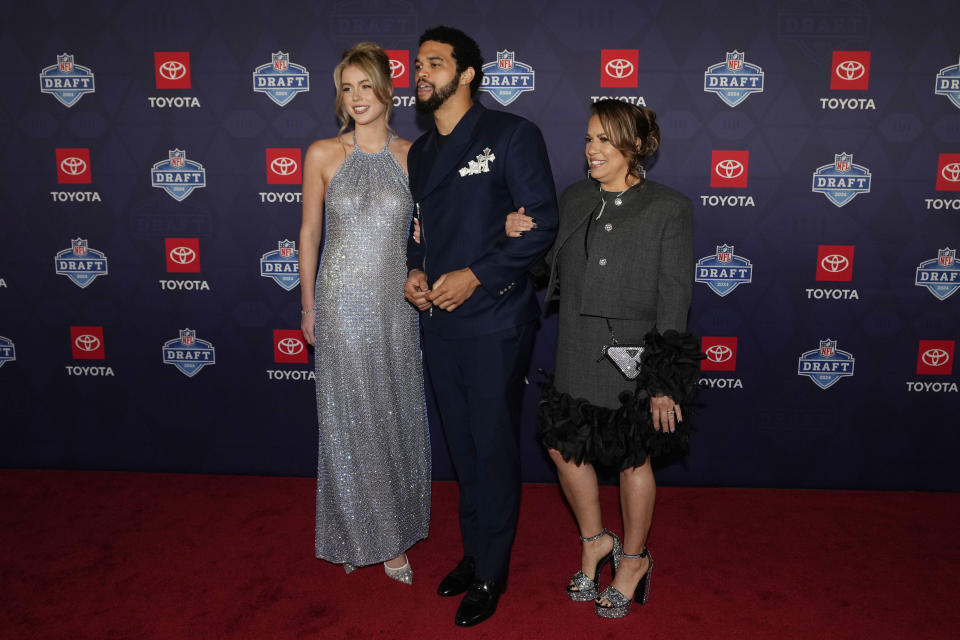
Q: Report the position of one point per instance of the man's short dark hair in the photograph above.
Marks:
(465, 51)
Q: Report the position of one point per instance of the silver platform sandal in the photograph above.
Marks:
(619, 604)
(584, 588)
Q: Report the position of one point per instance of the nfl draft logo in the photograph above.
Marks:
(284, 166)
(841, 181)
(935, 357)
(399, 67)
(825, 365)
(8, 352)
(948, 84)
(289, 347)
(281, 79)
(506, 78)
(724, 271)
(948, 172)
(188, 353)
(850, 71)
(734, 80)
(73, 166)
(282, 265)
(618, 67)
(941, 275)
(178, 176)
(66, 81)
(80, 263)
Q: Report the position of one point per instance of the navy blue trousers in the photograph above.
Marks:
(478, 385)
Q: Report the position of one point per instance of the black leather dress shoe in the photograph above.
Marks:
(458, 580)
(479, 603)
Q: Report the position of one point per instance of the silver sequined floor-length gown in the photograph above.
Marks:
(373, 470)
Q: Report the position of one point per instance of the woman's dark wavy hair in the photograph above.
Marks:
(465, 51)
(624, 123)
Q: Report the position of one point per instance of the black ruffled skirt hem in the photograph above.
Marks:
(624, 437)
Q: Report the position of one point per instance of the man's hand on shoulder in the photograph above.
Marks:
(417, 289)
(453, 289)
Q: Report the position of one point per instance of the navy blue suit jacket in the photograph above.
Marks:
(492, 163)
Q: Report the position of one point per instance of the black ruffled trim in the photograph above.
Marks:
(624, 437)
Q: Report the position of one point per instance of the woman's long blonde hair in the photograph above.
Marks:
(373, 61)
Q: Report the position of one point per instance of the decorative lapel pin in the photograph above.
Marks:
(480, 165)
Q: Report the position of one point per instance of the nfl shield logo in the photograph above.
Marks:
(735, 60)
(187, 337)
(80, 247)
(177, 158)
(66, 63)
(946, 256)
(287, 248)
(843, 161)
(725, 253)
(281, 61)
(828, 348)
(505, 59)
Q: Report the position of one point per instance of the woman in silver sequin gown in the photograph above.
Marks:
(373, 468)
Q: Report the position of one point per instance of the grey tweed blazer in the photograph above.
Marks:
(641, 261)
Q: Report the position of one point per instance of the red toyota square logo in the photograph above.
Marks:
(935, 357)
(729, 169)
(172, 69)
(284, 166)
(399, 67)
(618, 67)
(721, 353)
(289, 346)
(850, 70)
(73, 166)
(948, 172)
(835, 262)
(183, 255)
(87, 343)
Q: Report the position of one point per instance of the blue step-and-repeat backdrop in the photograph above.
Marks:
(150, 207)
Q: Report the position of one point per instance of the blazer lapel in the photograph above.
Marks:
(454, 148)
(564, 234)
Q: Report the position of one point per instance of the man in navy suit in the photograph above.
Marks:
(479, 313)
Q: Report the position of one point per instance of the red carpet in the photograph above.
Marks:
(109, 555)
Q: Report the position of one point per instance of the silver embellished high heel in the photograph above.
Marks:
(619, 604)
(402, 574)
(347, 568)
(584, 588)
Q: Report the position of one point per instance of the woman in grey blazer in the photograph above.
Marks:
(621, 268)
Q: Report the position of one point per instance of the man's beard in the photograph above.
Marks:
(438, 97)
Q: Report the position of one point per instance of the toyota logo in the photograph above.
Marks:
(172, 69)
(850, 70)
(87, 342)
(719, 353)
(283, 166)
(290, 346)
(183, 255)
(619, 68)
(951, 172)
(728, 169)
(73, 166)
(396, 68)
(835, 263)
(935, 357)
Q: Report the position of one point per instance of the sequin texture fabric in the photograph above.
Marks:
(373, 469)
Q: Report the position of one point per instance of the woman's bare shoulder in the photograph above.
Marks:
(326, 148)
